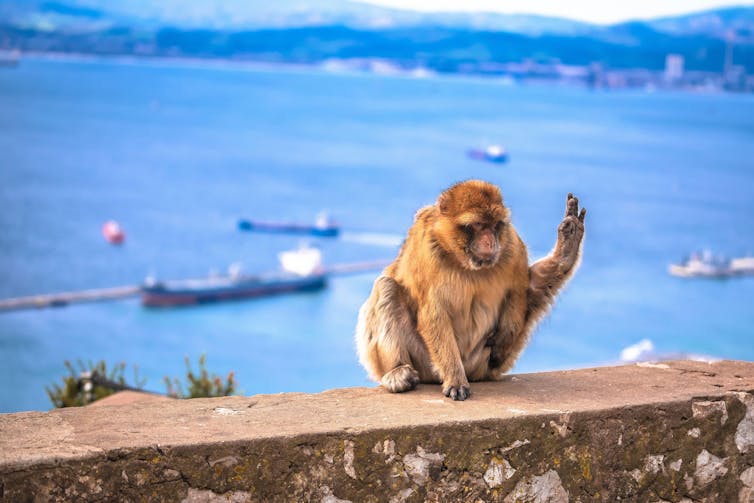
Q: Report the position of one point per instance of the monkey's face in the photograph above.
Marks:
(473, 223)
(482, 243)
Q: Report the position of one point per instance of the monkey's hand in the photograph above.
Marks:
(570, 234)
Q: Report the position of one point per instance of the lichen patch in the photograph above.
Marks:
(653, 464)
(704, 409)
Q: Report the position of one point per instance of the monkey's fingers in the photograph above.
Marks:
(582, 215)
(572, 206)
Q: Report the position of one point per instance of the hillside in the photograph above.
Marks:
(344, 30)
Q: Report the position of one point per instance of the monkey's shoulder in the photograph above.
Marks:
(515, 254)
(425, 214)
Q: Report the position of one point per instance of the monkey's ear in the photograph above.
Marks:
(443, 203)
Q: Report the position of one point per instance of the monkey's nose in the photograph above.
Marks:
(486, 249)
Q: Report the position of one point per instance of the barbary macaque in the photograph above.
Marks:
(459, 302)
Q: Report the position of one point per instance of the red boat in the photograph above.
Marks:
(113, 232)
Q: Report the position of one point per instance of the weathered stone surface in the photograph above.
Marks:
(704, 408)
(546, 488)
(709, 467)
(498, 472)
(588, 435)
(745, 430)
(746, 495)
(129, 397)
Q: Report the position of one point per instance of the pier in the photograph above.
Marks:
(64, 298)
(122, 292)
(355, 267)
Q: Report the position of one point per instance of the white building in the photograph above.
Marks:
(673, 67)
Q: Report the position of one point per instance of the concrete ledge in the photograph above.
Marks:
(647, 432)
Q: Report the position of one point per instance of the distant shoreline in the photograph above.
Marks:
(321, 68)
(255, 66)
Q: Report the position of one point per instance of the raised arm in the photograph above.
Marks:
(548, 275)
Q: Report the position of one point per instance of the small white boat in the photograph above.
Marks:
(706, 265)
(491, 153)
(324, 222)
(742, 265)
(702, 265)
(304, 261)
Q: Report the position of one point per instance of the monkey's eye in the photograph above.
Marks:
(468, 229)
(499, 226)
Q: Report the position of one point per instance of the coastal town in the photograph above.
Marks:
(674, 76)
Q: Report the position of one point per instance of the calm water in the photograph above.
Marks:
(177, 154)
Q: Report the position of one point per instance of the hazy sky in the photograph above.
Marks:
(605, 11)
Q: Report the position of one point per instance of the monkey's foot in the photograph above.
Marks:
(494, 374)
(402, 378)
(461, 392)
(571, 230)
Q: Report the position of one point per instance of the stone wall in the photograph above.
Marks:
(676, 431)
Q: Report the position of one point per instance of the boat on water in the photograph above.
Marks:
(491, 153)
(113, 232)
(742, 265)
(301, 271)
(323, 226)
(707, 265)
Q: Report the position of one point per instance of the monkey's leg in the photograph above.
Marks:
(509, 338)
(548, 275)
(386, 337)
(436, 328)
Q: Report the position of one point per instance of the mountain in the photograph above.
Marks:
(295, 31)
(256, 14)
(734, 21)
(82, 15)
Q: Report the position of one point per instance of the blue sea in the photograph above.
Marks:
(178, 152)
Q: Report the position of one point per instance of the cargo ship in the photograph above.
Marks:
(301, 272)
(323, 226)
(200, 291)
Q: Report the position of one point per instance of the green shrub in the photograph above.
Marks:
(201, 385)
(90, 384)
(93, 382)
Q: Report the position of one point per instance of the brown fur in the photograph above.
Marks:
(460, 300)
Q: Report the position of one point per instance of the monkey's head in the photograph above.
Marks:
(472, 224)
